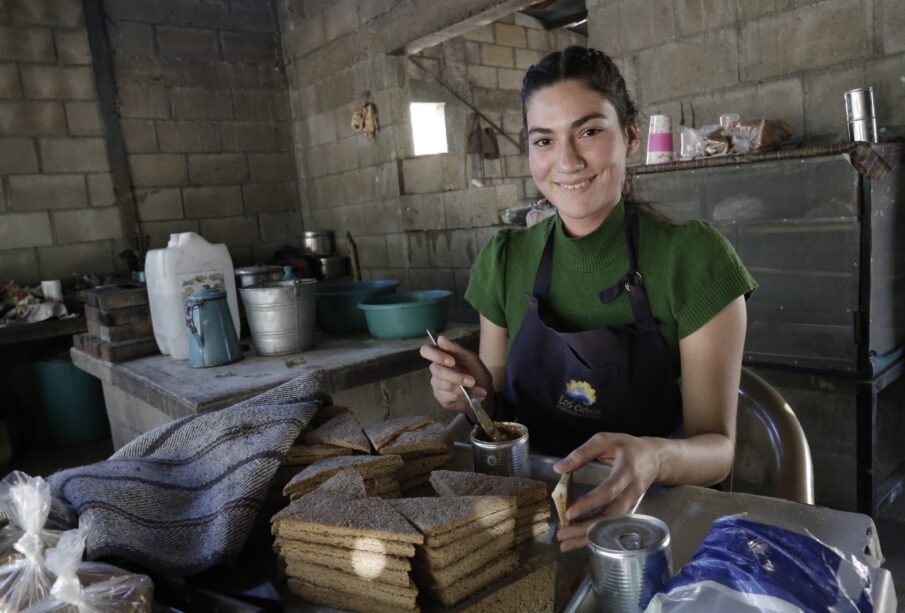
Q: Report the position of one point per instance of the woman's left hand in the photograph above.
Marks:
(635, 466)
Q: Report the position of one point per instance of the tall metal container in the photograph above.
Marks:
(506, 458)
(281, 315)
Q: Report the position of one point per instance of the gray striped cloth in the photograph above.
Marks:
(183, 497)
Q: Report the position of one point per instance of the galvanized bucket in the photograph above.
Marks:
(507, 458)
(630, 561)
(281, 315)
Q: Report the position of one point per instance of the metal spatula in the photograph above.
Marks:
(475, 404)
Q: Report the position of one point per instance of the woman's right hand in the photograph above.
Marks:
(451, 366)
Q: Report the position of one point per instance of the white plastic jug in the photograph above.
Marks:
(173, 274)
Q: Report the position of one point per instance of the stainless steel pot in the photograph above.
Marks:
(318, 242)
(281, 315)
(332, 266)
(252, 275)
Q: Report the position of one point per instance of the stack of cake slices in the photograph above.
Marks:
(345, 550)
(376, 471)
(423, 444)
(531, 519)
(467, 543)
(301, 454)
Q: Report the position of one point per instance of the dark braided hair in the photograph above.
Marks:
(593, 68)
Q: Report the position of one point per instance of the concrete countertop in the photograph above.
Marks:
(349, 361)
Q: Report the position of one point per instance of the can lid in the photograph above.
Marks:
(628, 535)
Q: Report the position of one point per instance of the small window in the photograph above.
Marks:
(429, 127)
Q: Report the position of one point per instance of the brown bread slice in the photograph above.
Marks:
(351, 558)
(422, 466)
(452, 536)
(342, 431)
(327, 568)
(467, 586)
(439, 578)
(342, 582)
(435, 516)
(368, 466)
(290, 532)
(460, 483)
(530, 532)
(386, 487)
(302, 455)
(325, 414)
(358, 602)
(535, 592)
(440, 557)
(560, 498)
(430, 439)
(383, 432)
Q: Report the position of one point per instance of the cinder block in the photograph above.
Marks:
(340, 18)
(87, 224)
(689, 66)
(100, 189)
(72, 46)
(524, 58)
(159, 204)
(271, 166)
(189, 136)
(251, 17)
(213, 15)
(434, 173)
(652, 23)
(360, 185)
(249, 136)
(20, 265)
(318, 218)
(812, 37)
(889, 89)
(510, 35)
(388, 181)
(484, 34)
(220, 201)
(197, 103)
(483, 76)
(132, 38)
(138, 10)
(891, 19)
(605, 27)
(383, 216)
(471, 208)
(143, 101)
(253, 105)
(220, 168)
(694, 16)
(26, 44)
(66, 82)
(538, 39)
(432, 278)
(231, 230)
(245, 48)
(307, 36)
(157, 169)
(158, 232)
(60, 261)
(84, 119)
(139, 135)
(510, 79)
(280, 227)
(495, 55)
(369, 9)
(42, 192)
(22, 230)
(342, 155)
(188, 43)
(348, 218)
(397, 250)
(422, 212)
(9, 81)
(270, 197)
(46, 12)
(73, 154)
(757, 8)
(372, 250)
(17, 156)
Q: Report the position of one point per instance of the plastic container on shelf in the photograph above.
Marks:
(186, 264)
(73, 403)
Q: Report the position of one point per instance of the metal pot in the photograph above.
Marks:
(281, 315)
(318, 242)
(332, 266)
(252, 275)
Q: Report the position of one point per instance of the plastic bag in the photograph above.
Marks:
(758, 135)
(25, 501)
(88, 587)
(744, 565)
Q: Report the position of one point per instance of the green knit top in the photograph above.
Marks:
(690, 273)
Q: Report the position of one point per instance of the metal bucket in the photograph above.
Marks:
(630, 561)
(506, 458)
(281, 315)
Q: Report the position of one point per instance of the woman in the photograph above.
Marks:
(589, 317)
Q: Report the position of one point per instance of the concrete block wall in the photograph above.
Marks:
(57, 213)
(791, 59)
(205, 116)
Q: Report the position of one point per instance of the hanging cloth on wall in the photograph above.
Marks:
(364, 119)
(482, 140)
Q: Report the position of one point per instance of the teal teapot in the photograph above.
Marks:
(212, 337)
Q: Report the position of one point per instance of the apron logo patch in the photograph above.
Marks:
(579, 399)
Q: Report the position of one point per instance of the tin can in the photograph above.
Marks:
(861, 115)
(659, 140)
(506, 458)
(630, 561)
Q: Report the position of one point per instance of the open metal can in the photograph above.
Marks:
(861, 115)
(630, 561)
(507, 458)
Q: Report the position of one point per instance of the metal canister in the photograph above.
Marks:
(507, 458)
(630, 561)
(861, 115)
(318, 242)
(281, 315)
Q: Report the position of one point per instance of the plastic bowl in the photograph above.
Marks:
(406, 314)
(337, 311)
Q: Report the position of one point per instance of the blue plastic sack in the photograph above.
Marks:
(743, 565)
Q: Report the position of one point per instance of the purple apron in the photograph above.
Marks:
(567, 386)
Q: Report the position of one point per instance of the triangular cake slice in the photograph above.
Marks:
(383, 432)
(430, 439)
(304, 454)
(368, 466)
(434, 516)
(342, 431)
(460, 483)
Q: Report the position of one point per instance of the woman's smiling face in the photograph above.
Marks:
(577, 152)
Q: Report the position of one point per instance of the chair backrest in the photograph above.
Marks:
(768, 429)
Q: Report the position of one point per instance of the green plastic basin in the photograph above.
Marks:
(406, 314)
(337, 305)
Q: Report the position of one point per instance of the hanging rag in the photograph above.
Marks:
(364, 119)
(482, 140)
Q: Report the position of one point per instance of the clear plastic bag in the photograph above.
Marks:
(88, 587)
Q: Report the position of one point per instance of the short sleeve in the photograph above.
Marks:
(487, 279)
(709, 276)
